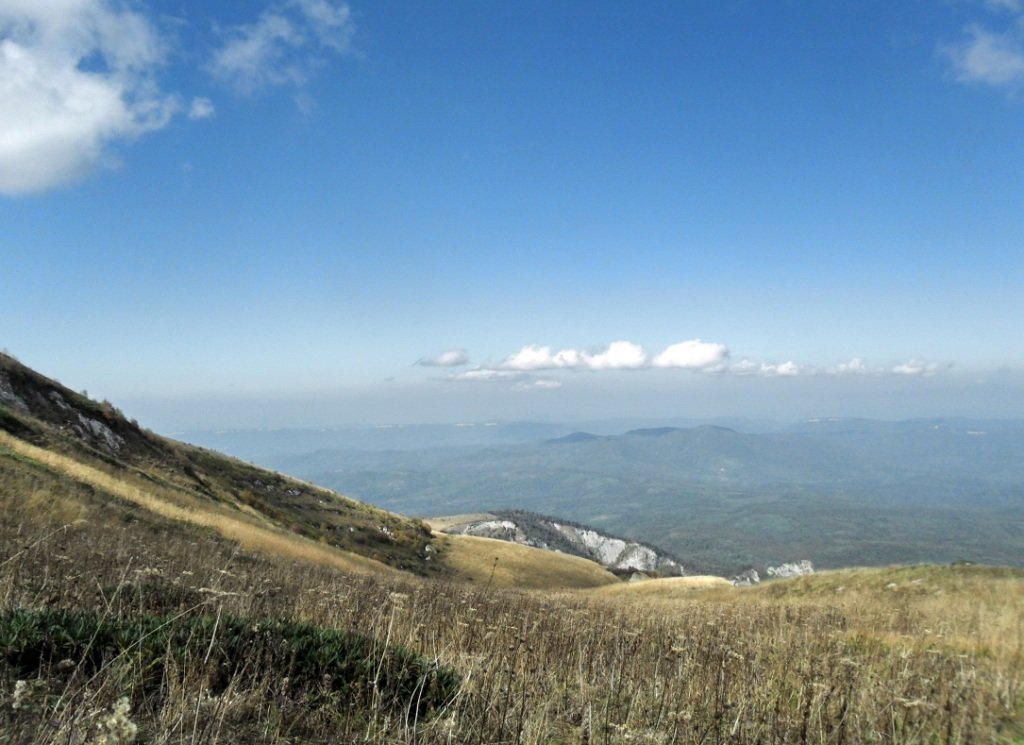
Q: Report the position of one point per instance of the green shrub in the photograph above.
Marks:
(233, 650)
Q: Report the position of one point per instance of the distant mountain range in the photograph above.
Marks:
(837, 491)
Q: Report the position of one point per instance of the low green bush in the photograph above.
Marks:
(232, 650)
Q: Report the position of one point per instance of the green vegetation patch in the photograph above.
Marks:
(232, 650)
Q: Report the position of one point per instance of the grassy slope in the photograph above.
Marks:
(790, 661)
(665, 587)
(40, 412)
(246, 528)
(502, 564)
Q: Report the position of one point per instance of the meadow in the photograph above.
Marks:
(909, 655)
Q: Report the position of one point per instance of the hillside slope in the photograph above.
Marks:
(57, 431)
(68, 457)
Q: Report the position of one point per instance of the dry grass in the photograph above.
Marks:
(247, 529)
(782, 663)
(666, 587)
(791, 662)
(501, 564)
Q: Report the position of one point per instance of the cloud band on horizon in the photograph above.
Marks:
(693, 355)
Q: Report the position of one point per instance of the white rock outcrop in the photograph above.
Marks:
(615, 553)
(791, 569)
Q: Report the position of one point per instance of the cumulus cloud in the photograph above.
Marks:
(692, 355)
(920, 367)
(451, 358)
(76, 76)
(518, 370)
(766, 369)
(619, 355)
(79, 77)
(855, 366)
(284, 46)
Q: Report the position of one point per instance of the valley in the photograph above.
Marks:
(841, 492)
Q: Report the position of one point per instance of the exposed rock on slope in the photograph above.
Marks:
(529, 529)
(789, 569)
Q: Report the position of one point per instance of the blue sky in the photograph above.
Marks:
(311, 212)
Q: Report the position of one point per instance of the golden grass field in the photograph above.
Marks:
(666, 587)
(501, 564)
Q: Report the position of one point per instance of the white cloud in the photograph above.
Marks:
(855, 366)
(696, 355)
(76, 76)
(519, 380)
(486, 375)
(451, 358)
(766, 369)
(284, 46)
(201, 108)
(544, 383)
(786, 369)
(532, 357)
(920, 367)
(692, 355)
(619, 355)
(990, 57)
(331, 22)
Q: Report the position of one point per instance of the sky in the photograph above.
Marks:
(311, 212)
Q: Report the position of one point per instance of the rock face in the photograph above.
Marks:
(788, 569)
(792, 569)
(617, 554)
(747, 578)
(88, 429)
(7, 395)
